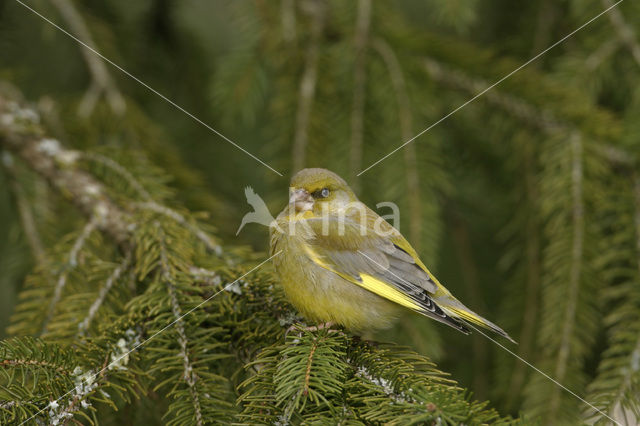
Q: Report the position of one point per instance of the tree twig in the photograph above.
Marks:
(575, 273)
(199, 233)
(625, 31)
(469, 270)
(24, 137)
(102, 82)
(83, 326)
(307, 88)
(405, 119)
(24, 210)
(532, 289)
(363, 22)
(288, 18)
(188, 375)
(71, 263)
(522, 110)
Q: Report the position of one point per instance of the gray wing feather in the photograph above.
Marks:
(382, 259)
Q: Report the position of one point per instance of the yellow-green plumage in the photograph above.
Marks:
(323, 296)
(340, 262)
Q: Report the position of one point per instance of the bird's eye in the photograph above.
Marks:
(322, 193)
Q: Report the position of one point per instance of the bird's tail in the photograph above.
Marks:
(455, 309)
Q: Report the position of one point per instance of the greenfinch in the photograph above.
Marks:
(341, 263)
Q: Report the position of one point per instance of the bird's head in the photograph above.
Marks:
(319, 190)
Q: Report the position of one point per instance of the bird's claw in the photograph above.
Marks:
(322, 326)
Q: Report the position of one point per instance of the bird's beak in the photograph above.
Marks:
(300, 199)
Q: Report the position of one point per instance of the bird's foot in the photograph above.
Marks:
(322, 326)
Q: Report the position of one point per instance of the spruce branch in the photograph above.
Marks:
(199, 233)
(615, 388)
(315, 377)
(405, 118)
(72, 261)
(148, 202)
(49, 159)
(548, 13)
(60, 385)
(462, 242)
(24, 209)
(31, 362)
(636, 216)
(83, 326)
(570, 316)
(625, 32)
(572, 289)
(533, 244)
(308, 81)
(288, 18)
(101, 81)
(598, 56)
(519, 108)
(576, 266)
(189, 375)
(544, 119)
(361, 42)
(203, 273)
(59, 166)
(119, 169)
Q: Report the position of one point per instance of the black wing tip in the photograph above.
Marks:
(458, 325)
(455, 323)
(429, 308)
(502, 333)
(496, 330)
(506, 336)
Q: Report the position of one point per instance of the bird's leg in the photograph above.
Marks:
(322, 326)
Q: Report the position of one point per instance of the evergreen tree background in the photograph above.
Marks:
(118, 212)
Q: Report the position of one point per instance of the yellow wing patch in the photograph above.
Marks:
(315, 258)
(368, 282)
(465, 314)
(383, 289)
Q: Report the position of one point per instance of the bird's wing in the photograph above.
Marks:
(376, 263)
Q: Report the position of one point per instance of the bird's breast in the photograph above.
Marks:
(322, 295)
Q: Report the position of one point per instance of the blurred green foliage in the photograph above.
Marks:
(525, 202)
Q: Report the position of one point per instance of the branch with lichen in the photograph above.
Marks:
(190, 377)
(62, 384)
(21, 134)
(220, 322)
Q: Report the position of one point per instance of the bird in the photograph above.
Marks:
(260, 213)
(341, 264)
